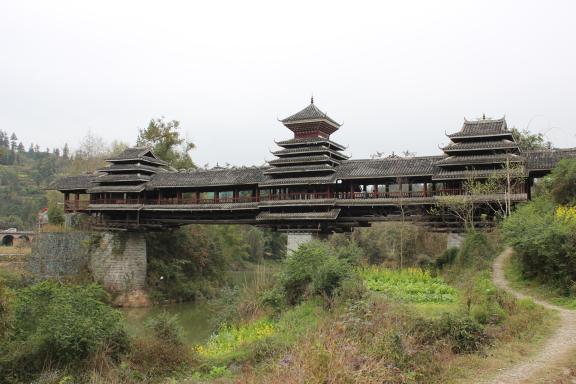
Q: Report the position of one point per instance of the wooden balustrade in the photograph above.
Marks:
(76, 205)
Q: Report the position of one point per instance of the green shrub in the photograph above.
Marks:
(563, 182)
(166, 327)
(545, 245)
(447, 257)
(163, 351)
(488, 304)
(476, 249)
(464, 334)
(60, 325)
(313, 269)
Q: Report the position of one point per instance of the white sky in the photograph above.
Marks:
(397, 73)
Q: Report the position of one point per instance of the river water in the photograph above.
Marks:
(195, 318)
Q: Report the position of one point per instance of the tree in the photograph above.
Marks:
(66, 152)
(21, 147)
(486, 193)
(164, 137)
(116, 147)
(562, 183)
(529, 141)
(92, 146)
(3, 139)
(13, 141)
(45, 169)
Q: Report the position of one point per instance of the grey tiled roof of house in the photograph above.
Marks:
(117, 188)
(270, 182)
(303, 160)
(309, 140)
(547, 159)
(311, 112)
(208, 178)
(472, 173)
(71, 183)
(479, 159)
(143, 154)
(309, 150)
(112, 178)
(300, 169)
(480, 128)
(481, 145)
(331, 214)
(113, 168)
(388, 167)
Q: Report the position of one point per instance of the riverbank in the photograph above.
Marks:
(326, 316)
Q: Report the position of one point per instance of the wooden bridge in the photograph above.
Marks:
(312, 186)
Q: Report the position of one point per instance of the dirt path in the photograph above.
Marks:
(555, 349)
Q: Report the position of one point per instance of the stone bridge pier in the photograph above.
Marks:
(295, 239)
(118, 261)
(454, 240)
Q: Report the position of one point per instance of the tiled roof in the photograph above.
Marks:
(120, 178)
(208, 178)
(480, 145)
(311, 112)
(309, 150)
(547, 159)
(481, 128)
(72, 183)
(480, 159)
(331, 214)
(310, 140)
(269, 182)
(131, 168)
(142, 154)
(117, 188)
(300, 169)
(471, 173)
(389, 167)
(303, 160)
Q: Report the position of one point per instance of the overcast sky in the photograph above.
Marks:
(398, 74)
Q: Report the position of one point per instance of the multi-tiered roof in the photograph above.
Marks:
(480, 149)
(310, 157)
(128, 172)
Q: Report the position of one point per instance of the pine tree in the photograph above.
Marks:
(13, 141)
(57, 152)
(21, 147)
(66, 152)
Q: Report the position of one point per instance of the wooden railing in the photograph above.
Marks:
(76, 205)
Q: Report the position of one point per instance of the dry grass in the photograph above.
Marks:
(370, 346)
(15, 250)
(561, 372)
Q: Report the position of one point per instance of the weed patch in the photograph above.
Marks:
(409, 285)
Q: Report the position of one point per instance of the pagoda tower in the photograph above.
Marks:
(479, 150)
(310, 157)
(126, 175)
